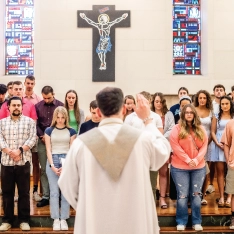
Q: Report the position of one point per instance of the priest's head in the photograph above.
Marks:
(111, 102)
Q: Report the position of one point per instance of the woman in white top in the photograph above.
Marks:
(159, 106)
(204, 108)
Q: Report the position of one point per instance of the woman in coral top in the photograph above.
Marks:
(189, 144)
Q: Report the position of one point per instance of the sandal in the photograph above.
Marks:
(220, 203)
(228, 204)
(204, 201)
(164, 205)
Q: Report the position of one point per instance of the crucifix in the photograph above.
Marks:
(103, 19)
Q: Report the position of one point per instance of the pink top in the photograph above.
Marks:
(34, 99)
(28, 110)
(228, 137)
(184, 150)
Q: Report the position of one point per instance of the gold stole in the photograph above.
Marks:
(112, 156)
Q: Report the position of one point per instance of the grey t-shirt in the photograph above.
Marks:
(60, 139)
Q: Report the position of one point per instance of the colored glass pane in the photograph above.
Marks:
(186, 37)
(19, 33)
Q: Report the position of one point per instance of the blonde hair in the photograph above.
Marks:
(62, 110)
(147, 95)
(196, 125)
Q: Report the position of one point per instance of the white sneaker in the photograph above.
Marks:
(36, 197)
(5, 226)
(64, 225)
(197, 227)
(56, 225)
(204, 201)
(232, 223)
(24, 227)
(180, 227)
(210, 189)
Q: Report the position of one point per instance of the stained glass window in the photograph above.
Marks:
(19, 32)
(186, 37)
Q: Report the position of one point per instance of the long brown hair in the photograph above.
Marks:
(209, 105)
(163, 101)
(76, 106)
(196, 125)
(129, 97)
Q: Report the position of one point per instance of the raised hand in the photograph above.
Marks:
(143, 108)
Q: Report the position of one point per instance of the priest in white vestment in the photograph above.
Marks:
(106, 178)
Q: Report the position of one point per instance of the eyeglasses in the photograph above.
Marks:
(189, 113)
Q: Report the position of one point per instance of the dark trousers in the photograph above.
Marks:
(19, 175)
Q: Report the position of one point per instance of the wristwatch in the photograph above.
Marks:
(52, 165)
(21, 150)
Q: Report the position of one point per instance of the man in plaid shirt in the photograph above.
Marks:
(17, 137)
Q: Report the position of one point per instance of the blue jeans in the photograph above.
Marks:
(55, 192)
(188, 184)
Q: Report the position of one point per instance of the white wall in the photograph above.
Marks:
(63, 52)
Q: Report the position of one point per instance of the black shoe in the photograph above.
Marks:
(157, 194)
(43, 202)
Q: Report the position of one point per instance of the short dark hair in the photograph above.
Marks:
(3, 89)
(10, 83)
(93, 104)
(30, 77)
(232, 88)
(17, 82)
(47, 89)
(14, 98)
(110, 100)
(218, 86)
(183, 88)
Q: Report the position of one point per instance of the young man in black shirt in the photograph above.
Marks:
(94, 121)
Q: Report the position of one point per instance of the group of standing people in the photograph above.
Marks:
(194, 128)
(44, 128)
(40, 130)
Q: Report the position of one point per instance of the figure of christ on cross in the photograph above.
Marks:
(103, 27)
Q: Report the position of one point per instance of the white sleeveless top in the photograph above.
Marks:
(206, 123)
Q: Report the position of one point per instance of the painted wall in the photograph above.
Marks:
(63, 52)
